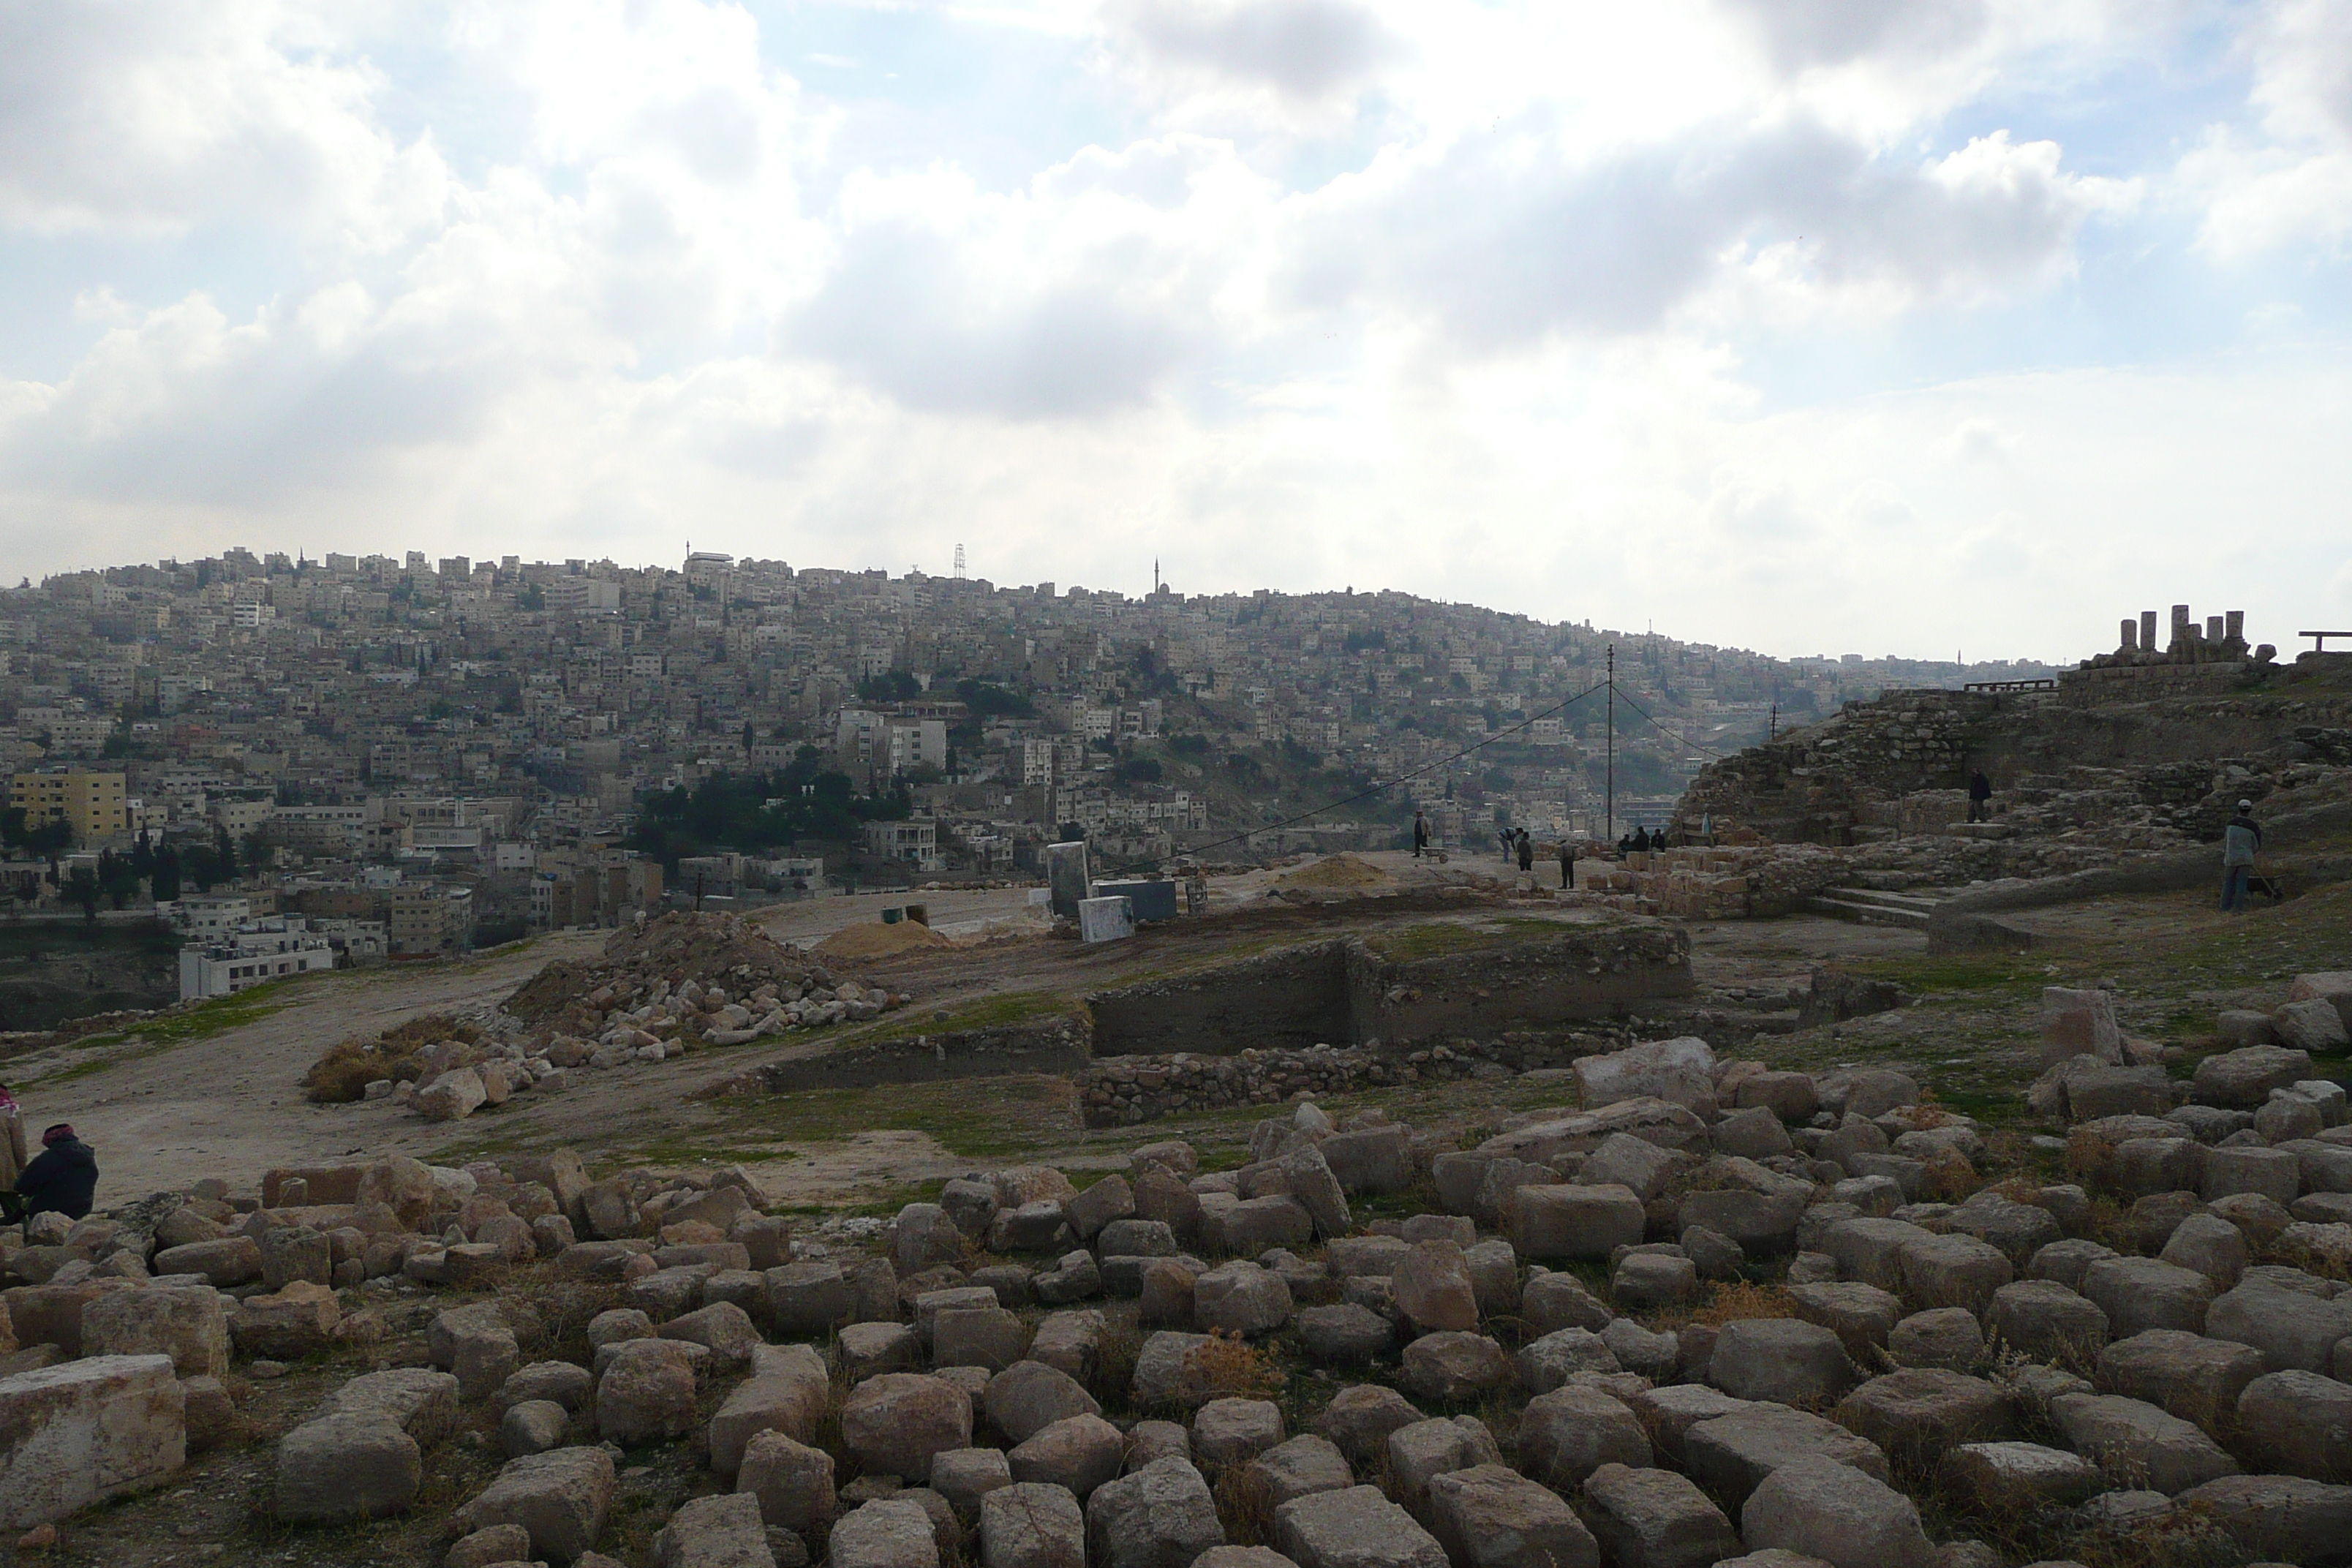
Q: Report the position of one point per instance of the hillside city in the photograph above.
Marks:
(305, 763)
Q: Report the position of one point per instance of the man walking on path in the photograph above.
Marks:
(2240, 842)
(1419, 834)
(1979, 796)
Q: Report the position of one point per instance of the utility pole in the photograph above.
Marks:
(1773, 732)
(1609, 831)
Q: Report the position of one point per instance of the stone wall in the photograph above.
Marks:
(1052, 1044)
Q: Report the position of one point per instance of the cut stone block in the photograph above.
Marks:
(1730, 1454)
(1357, 1528)
(2131, 1437)
(73, 1434)
(1160, 1516)
(1032, 1525)
(1654, 1519)
(2187, 1375)
(562, 1498)
(1837, 1513)
(1568, 1433)
(1786, 1360)
(1490, 1517)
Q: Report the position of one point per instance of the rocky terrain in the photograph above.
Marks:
(1693, 1310)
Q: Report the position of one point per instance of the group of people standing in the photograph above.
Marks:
(61, 1179)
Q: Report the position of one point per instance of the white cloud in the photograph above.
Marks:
(2292, 183)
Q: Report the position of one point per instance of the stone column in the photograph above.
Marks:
(2147, 631)
(2233, 626)
(2213, 633)
(1065, 875)
(2131, 635)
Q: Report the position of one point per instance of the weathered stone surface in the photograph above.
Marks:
(792, 1482)
(420, 1402)
(1233, 1431)
(1952, 1271)
(2210, 1244)
(2293, 1331)
(988, 1337)
(721, 1531)
(2136, 1438)
(1028, 1396)
(2012, 1478)
(1550, 1362)
(1634, 1162)
(1655, 1356)
(2047, 1321)
(647, 1395)
(1871, 1250)
(1566, 1435)
(1552, 1301)
(1359, 1420)
(896, 1421)
(2142, 1293)
(1160, 1516)
(1915, 1413)
(1303, 1464)
(1450, 1368)
(1860, 1315)
(1654, 1519)
(1241, 1297)
(1731, 1453)
(1786, 1360)
(1032, 1525)
(562, 1498)
(1070, 1341)
(1346, 1334)
(1078, 1452)
(1568, 1223)
(185, 1323)
(2298, 1422)
(1434, 1289)
(2279, 1518)
(1490, 1517)
(1255, 1225)
(2187, 1375)
(351, 1465)
(2241, 1079)
(885, 1534)
(1946, 1337)
(1416, 1452)
(1355, 1528)
(1764, 1225)
(787, 1392)
(1647, 1281)
(1837, 1513)
(1679, 1071)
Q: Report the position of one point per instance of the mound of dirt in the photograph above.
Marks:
(1336, 873)
(874, 940)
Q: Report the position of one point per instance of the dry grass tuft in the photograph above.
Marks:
(1229, 1366)
(343, 1072)
(1246, 1506)
(1733, 1299)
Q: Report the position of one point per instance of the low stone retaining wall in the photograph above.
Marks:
(1120, 1091)
(1052, 1044)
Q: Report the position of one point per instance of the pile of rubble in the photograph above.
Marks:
(661, 990)
(1711, 1313)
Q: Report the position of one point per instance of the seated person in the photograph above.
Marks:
(62, 1178)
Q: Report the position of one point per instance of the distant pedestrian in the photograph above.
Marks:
(1419, 834)
(1706, 827)
(1624, 844)
(1526, 857)
(1640, 839)
(1980, 796)
(2242, 840)
(1503, 838)
(62, 1178)
(11, 1142)
(1567, 860)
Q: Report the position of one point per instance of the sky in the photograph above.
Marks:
(1951, 326)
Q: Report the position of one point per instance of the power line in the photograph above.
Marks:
(1416, 773)
(1662, 729)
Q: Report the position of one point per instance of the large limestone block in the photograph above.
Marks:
(1654, 1519)
(419, 1401)
(2142, 1293)
(2294, 1331)
(1233, 1431)
(1304, 1464)
(896, 1421)
(348, 1466)
(187, 1324)
(1835, 1512)
(1730, 1454)
(1953, 1271)
(2046, 1321)
(647, 1395)
(888, 1533)
(1160, 1516)
(2140, 1440)
(2186, 1375)
(2279, 1518)
(1360, 1420)
(1028, 1396)
(1355, 1528)
(561, 1497)
(1450, 1368)
(792, 1482)
(2298, 1422)
(1433, 1289)
(1490, 1517)
(1424, 1449)
(1680, 1071)
(721, 1531)
(2275, 1174)
(1573, 1222)
(2241, 1079)
(1918, 1413)
(1241, 1297)
(1077, 1452)
(787, 1392)
(1032, 1524)
(1568, 1433)
(77, 1432)
(1786, 1360)
(231, 1260)
(2011, 1479)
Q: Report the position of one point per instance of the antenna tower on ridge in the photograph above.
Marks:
(958, 564)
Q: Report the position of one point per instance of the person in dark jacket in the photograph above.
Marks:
(1979, 797)
(63, 1177)
(1567, 860)
(1419, 834)
(1527, 856)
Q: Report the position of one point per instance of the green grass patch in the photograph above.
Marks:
(1001, 1011)
(199, 1021)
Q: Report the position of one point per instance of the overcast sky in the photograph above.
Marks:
(1807, 325)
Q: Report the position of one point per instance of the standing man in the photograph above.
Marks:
(1526, 857)
(1567, 860)
(1979, 793)
(1419, 834)
(2242, 840)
